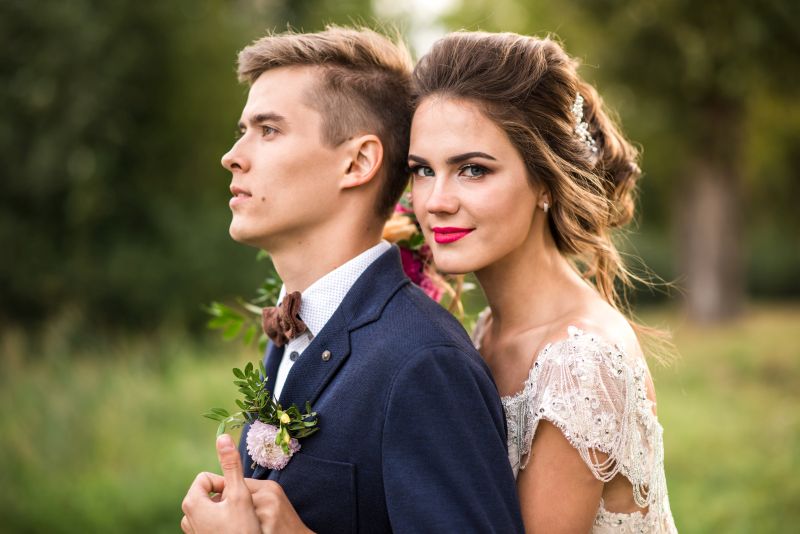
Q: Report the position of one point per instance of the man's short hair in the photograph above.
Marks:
(365, 88)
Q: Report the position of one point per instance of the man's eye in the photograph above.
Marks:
(268, 130)
(473, 171)
(421, 171)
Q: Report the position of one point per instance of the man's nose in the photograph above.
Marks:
(234, 159)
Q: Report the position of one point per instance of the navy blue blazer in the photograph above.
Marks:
(412, 434)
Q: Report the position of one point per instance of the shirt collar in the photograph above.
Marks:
(321, 299)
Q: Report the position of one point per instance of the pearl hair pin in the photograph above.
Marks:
(581, 126)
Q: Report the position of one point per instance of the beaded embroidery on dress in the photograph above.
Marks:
(597, 396)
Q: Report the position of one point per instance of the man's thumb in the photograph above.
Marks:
(231, 464)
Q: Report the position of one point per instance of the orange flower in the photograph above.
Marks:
(399, 228)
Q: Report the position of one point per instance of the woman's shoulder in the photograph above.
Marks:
(593, 326)
(591, 323)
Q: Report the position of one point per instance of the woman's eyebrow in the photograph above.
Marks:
(453, 160)
(469, 155)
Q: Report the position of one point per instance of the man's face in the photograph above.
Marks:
(285, 178)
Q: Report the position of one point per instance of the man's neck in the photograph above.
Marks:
(304, 263)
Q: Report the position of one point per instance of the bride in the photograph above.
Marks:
(520, 175)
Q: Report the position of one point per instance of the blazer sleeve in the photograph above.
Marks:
(445, 463)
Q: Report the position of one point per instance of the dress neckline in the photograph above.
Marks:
(573, 333)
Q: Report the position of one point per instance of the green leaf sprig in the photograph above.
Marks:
(258, 404)
(243, 318)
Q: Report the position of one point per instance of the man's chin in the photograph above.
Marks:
(242, 237)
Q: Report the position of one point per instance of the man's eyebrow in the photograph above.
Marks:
(261, 118)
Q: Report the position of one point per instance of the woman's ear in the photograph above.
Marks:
(366, 157)
(544, 201)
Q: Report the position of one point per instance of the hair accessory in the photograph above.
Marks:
(581, 126)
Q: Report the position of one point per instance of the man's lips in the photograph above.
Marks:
(239, 196)
(449, 234)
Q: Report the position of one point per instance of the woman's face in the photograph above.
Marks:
(470, 187)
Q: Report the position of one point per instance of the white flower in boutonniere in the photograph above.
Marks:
(274, 432)
(263, 447)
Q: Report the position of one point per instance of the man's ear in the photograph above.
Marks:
(366, 157)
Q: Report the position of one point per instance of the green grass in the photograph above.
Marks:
(729, 407)
(109, 440)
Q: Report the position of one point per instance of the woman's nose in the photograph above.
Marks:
(441, 198)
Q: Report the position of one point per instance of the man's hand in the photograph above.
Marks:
(232, 509)
(273, 509)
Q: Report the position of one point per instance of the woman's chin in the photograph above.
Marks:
(453, 266)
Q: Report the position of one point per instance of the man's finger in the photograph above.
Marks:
(205, 483)
(186, 526)
(255, 485)
(215, 482)
(231, 465)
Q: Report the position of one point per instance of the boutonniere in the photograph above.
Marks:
(274, 432)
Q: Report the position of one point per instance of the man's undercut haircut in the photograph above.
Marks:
(365, 88)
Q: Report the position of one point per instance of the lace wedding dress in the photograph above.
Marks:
(597, 396)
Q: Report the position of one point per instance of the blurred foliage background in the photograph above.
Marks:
(113, 227)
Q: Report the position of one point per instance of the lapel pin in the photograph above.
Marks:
(326, 355)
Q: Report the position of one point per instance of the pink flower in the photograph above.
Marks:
(262, 447)
(404, 205)
(431, 289)
(412, 265)
(424, 253)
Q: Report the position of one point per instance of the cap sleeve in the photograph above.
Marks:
(596, 395)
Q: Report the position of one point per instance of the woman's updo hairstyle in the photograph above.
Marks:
(528, 87)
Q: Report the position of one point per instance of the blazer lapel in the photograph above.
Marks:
(319, 362)
(330, 349)
(271, 364)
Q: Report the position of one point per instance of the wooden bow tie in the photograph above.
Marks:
(282, 323)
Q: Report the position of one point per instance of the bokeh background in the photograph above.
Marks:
(113, 238)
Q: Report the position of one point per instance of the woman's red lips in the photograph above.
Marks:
(449, 234)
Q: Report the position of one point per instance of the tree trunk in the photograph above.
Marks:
(710, 226)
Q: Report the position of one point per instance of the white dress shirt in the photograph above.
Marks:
(319, 301)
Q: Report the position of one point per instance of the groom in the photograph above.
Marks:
(411, 429)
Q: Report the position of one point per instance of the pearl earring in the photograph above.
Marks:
(545, 207)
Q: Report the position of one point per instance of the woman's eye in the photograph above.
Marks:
(422, 171)
(473, 171)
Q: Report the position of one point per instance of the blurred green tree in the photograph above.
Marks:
(688, 79)
(706, 63)
(115, 114)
